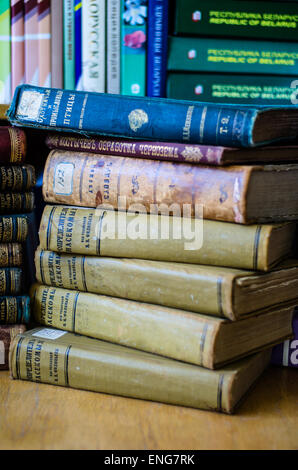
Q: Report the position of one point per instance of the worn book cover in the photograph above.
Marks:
(11, 254)
(55, 357)
(13, 145)
(14, 309)
(13, 228)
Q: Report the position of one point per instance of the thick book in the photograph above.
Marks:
(17, 43)
(68, 45)
(189, 337)
(31, 42)
(133, 47)
(222, 292)
(13, 145)
(17, 178)
(44, 43)
(5, 52)
(172, 151)
(286, 353)
(113, 46)
(232, 88)
(232, 56)
(16, 202)
(11, 280)
(157, 47)
(151, 118)
(251, 19)
(13, 228)
(7, 333)
(93, 51)
(67, 229)
(52, 356)
(57, 43)
(11, 254)
(78, 44)
(14, 309)
(242, 194)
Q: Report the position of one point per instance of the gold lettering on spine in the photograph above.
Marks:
(187, 124)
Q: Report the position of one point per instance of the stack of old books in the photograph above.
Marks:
(176, 276)
(16, 201)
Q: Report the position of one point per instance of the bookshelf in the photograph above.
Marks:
(38, 416)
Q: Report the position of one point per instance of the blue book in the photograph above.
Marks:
(157, 47)
(151, 118)
(78, 44)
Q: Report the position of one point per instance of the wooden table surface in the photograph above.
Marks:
(38, 416)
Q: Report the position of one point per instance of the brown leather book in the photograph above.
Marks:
(241, 194)
(13, 144)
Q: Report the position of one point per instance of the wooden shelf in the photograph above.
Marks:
(38, 416)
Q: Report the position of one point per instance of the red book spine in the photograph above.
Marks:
(13, 145)
(175, 152)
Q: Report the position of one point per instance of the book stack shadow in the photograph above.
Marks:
(136, 299)
(16, 205)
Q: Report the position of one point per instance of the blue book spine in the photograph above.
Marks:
(134, 117)
(157, 47)
(78, 44)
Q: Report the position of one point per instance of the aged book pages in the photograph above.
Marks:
(55, 357)
(191, 337)
(98, 232)
(223, 292)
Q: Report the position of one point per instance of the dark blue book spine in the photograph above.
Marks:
(78, 44)
(134, 117)
(157, 47)
(14, 309)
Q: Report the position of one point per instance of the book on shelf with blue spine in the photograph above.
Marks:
(151, 118)
(157, 47)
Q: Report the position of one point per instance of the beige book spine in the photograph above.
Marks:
(67, 229)
(160, 330)
(83, 363)
(200, 289)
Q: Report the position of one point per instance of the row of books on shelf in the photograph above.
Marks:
(135, 299)
(236, 53)
(116, 46)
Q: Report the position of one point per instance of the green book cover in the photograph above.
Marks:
(232, 56)
(5, 70)
(237, 89)
(254, 19)
(68, 45)
(133, 47)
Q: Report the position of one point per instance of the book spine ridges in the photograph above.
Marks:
(14, 309)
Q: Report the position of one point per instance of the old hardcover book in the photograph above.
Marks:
(232, 88)
(10, 281)
(230, 194)
(113, 46)
(17, 178)
(190, 337)
(78, 6)
(55, 357)
(68, 45)
(172, 151)
(7, 333)
(13, 228)
(14, 309)
(223, 292)
(11, 254)
(232, 56)
(16, 202)
(286, 353)
(152, 118)
(67, 229)
(13, 145)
